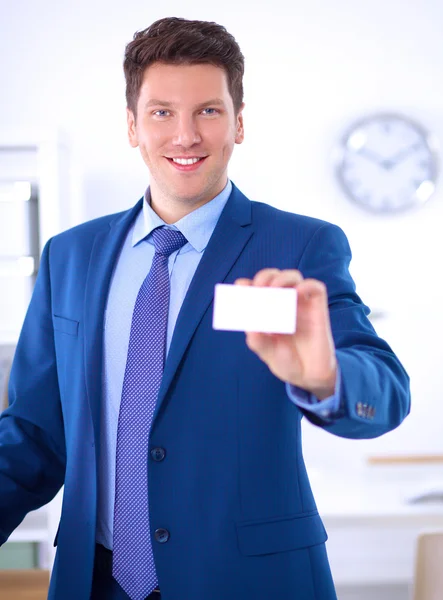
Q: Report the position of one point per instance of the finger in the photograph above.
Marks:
(264, 277)
(260, 343)
(287, 278)
(312, 289)
(243, 281)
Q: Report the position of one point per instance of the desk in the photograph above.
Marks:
(372, 529)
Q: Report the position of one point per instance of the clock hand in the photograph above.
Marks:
(390, 163)
(372, 156)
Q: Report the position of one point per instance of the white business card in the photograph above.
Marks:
(248, 308)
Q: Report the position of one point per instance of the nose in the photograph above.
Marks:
(186, 134)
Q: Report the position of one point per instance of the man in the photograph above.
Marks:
(210, 438)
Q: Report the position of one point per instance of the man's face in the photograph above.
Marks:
(185, 112)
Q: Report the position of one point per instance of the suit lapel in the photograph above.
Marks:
(105, 250)
(230, 236)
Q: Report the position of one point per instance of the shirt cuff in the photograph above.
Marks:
(322, 408)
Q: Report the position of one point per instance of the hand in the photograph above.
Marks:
(307, 357)
(388, 163)
(370, 155)
(400, 156)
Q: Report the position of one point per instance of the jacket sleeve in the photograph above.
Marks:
(374, 396)
(32, 447)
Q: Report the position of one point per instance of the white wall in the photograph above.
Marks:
(311, 68)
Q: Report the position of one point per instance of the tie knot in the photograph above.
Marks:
(167, 241)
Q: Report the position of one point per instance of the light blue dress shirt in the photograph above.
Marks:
(133, 264)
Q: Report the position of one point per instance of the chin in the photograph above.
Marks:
(189, 194)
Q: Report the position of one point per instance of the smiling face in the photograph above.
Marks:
(186, 128)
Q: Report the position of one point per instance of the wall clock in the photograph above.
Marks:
(388, 163)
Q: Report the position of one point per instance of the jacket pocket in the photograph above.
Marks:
(65, 325)
(280, 534)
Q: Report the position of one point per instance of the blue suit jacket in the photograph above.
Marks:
(232, 490)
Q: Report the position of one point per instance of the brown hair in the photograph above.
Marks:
(178, 41)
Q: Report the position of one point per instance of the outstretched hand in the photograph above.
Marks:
(306, 358)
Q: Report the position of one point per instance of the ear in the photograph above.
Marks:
(240, 132)
(132, 131)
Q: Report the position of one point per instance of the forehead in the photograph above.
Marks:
(184, 83)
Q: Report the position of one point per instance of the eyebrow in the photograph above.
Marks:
(155, 102)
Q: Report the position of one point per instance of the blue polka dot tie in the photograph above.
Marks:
(133, 560)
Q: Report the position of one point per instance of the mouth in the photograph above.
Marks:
(187, 164)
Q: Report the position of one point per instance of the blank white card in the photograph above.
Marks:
(261, 309)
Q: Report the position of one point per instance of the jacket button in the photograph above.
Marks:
(162, 535)
(158, 454)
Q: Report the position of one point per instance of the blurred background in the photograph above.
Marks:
(320, 79)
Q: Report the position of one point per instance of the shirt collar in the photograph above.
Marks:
(197, 226)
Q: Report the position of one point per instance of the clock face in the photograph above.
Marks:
(388, 163)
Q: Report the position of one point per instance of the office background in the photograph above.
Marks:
(312, 69)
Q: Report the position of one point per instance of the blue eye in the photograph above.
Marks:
(214, 111)
(161, 113)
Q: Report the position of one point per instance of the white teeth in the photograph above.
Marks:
(186, 161)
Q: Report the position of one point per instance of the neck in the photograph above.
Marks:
(171, 212)
(172, 209)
